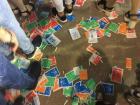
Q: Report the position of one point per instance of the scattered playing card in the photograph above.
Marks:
(56, 85)
(131, 33)
(122, 28)
(113, 15)
(91, 49)
(53, 40)
(113, 27)
(71, 76)
(83, 75)
(70, 18)
(45, 63)
(117, 74)
(79, 3)
(63, 82)
(129, 63)
(53, 72)
(74, 33)
(108, 88)
(92, 37)
(68, 92)
(95, 59)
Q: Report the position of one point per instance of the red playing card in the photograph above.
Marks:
(56, 85)
(53, 60)
(105, 20)
(32, 17)
(79, 3)
(117, 74)
(53, 23)
(90, 49)
(30, 96)
(129, 63)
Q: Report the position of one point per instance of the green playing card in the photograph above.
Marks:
(113, 27)
(107, 33)
(75, 101)
(43, 45)
(49, 31)
(50, 82)
(43, 22)
(45, 63)
(90, 84)
(68, 92)
(94, 24)
(71, 76)
(31, 26)
(85, 25)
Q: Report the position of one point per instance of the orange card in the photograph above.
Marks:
(82, 96)
(56, 85)
(83, 75)
(122, 28)
(129, 63)
(90, 49)
(43, 81)
(40, 89)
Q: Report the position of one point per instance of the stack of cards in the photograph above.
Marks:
(74, 33)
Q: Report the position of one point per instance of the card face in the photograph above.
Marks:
(95, 59)
(102, 24)
(74, 33)
(90, 84)
(129, 63)
(71, 76)
(113, 15)
(83, 96)
(80, 88)
(92, 37)
(83, 75)
(108, 88)
(117, 74)
(131, 34)
(53, 60)
(90, 49)
(56, 85)
(52, 72)
(57, 28)
(45, 63)
(29, 97)
(113, 27)
(53, 40)
(68, 92)
(79, 3)
(107, 33)
(70, 18)
(50, 82)
(48, 91)
(122, 28)
(63, 82)
(40, 89)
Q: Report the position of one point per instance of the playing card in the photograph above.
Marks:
(68, 92)
(53, 40)
(83, 75)
(90, 84)
(108, 88)
(45, 63)
(91, 49)
(117, 74)
(53, 72)
(56, 85)
(129, 63)
(63, 82)
(79, 3)
(92, 37)
(50, 82)
(113, 27)
(95, 59)
(74, 33)
(71, 76)
(113, 15)
(131, 33)
(122, 28)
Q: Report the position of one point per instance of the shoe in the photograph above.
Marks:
(62, 19)
(20, 100)
(34, 72)
(68, 11)
(15, 11)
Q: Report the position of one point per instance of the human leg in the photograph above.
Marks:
(8, 20)
(12, 77)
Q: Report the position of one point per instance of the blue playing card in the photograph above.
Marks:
(108, 88)
(48, 91)
(57, 28)
(102, 24)
(63, 82)
(70, 18)
(80, 88)
(53, 72)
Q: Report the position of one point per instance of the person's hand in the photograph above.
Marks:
(10, 38)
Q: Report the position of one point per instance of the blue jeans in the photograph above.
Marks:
(8, 20)
(12, 77)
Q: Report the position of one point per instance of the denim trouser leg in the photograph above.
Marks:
(8, 20)
(12, 77)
